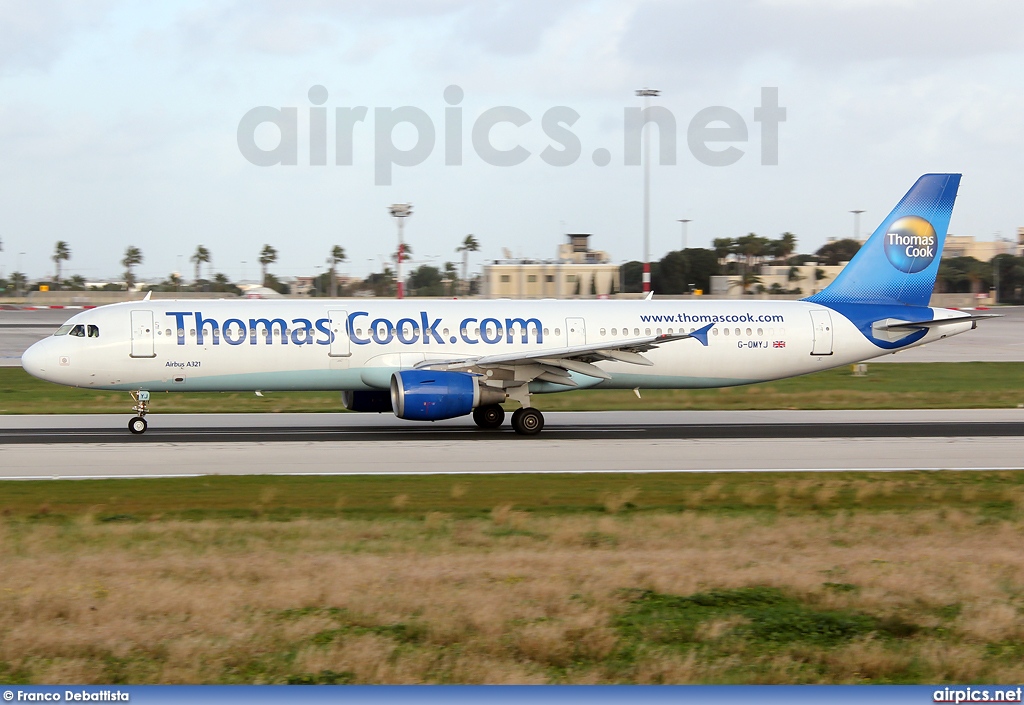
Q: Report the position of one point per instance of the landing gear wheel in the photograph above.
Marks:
(138, 425)
(528, 421)
(490, 416)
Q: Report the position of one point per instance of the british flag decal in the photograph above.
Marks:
(779, 344)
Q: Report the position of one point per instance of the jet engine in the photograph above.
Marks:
(427, 395)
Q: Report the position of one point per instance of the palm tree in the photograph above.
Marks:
(61, 253)
(469, 244)
(452, 275)
(268, 255)
(201, 256)
(337, 255)
(785, 245)
(132, 257)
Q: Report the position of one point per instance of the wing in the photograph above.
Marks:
(555, 364)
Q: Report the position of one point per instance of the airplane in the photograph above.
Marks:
(429, 360)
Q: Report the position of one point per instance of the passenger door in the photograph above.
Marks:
(142, 334)
(821, 322)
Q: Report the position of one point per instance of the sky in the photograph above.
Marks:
(121, 123)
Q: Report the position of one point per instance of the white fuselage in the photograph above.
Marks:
(224, 345)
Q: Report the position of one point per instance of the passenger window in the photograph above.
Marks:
(603, 332)
(615, 331)
(63, 330)
(94, 331)
(558, 331)
(714, 331)
(647, 331)
(636, 331)
(168, 332)
(760, 332)
(78, 331)
(546, 331)
(659, 331)
(748, 331)
(725, 331)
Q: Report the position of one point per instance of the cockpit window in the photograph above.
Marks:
(63, 330)
(94, 331)
(78, 331)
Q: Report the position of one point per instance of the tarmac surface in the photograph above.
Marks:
(100, 446)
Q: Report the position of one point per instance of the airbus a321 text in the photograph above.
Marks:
(434, 359)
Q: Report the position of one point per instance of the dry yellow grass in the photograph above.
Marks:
(513, 598)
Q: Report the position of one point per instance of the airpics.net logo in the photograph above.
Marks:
(714, 135)
(910, 244)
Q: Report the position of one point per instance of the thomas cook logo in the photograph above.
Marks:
(910, 244)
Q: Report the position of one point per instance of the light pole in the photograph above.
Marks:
(995, 266)
(21, 279)
(646, 94)
(684, 221)
(400, 211)
(856, 224)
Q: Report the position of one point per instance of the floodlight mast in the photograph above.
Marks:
(684, 221)
(856, 224)
(400, 211)
(646, 94)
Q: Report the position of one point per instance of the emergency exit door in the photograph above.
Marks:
(576, 331)
(340, 345)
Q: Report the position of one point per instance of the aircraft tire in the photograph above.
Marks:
(138, 425)
(528, 421)
(490, 416)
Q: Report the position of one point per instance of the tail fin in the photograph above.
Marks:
(898, 263)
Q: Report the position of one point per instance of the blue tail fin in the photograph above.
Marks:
(898, 263)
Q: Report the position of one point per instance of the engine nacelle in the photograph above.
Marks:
(428, 395)
(370, 402)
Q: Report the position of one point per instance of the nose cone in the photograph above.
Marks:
(36, 362)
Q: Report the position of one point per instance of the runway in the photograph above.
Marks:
(670, 441)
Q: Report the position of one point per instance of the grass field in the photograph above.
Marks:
(675, 578)
(886, 386)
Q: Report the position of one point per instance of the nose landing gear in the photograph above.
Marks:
(138, 424)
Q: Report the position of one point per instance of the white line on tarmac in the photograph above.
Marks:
(1012, 468)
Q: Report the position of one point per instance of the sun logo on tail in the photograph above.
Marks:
(910, 244)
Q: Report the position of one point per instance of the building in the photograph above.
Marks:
(984, 250)
(779, 279)
(577, 272)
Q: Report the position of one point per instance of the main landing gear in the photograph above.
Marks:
(525, 421)
(138, 424)
(490, 416)
(528, 421)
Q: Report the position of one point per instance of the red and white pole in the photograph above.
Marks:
(401, 256)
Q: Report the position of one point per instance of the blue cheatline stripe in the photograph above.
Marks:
(535, 695)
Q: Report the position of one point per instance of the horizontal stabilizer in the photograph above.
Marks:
(896, 324)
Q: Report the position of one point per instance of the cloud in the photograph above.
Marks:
(34, 34)
(821, 33)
